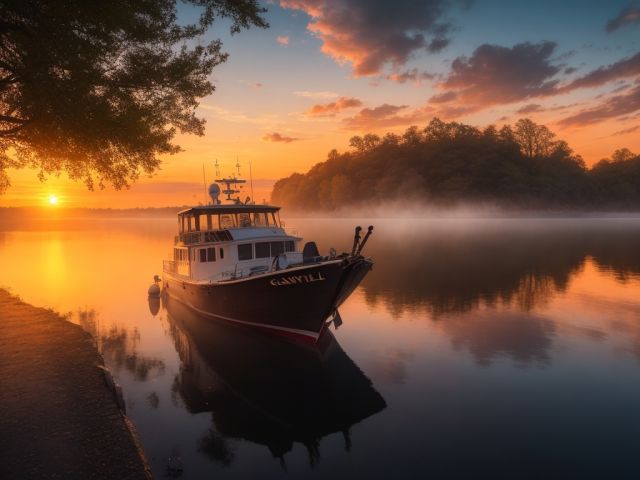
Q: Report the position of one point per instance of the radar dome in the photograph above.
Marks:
(214, 193)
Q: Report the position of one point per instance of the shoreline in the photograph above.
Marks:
(59, 417)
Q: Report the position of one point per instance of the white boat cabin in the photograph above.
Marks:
(227, 242)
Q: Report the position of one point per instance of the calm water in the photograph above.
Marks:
(474, 349)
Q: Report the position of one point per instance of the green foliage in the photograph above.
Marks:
(99, 89)
(446, 163)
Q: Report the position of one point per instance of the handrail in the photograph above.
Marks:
(169, 266)
(206, 236)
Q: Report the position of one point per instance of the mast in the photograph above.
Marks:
(204, 184)
(231, 182)
(251, 182)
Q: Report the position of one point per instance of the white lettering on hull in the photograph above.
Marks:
(297, 279)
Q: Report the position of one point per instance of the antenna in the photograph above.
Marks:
(251, 181)
(204, 183)
(217, 168)
(238, 165)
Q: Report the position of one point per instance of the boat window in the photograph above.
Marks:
(277, 248)
(262, 250)
(260, 220)
(244, 220)
(208, 254)
(245, 251)
(226, 221)
(221, 236)
(221, 253)
(289, 246)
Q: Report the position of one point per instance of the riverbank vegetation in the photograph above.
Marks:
(99, 90)
(450, 163)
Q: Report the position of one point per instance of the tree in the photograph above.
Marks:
(357, 142)
(622, 155)
(412, 136)
(99, 89)
(534, 140)
(451, 162)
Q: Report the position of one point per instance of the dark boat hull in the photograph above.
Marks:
(293, 302)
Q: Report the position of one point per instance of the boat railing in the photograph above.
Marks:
(190, 238)
(230, 275)
(239, 273)
(169, 266)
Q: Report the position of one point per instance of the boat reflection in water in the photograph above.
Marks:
(265, 389)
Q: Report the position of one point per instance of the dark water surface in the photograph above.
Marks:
(493, 348)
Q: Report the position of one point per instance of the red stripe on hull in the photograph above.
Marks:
(296, 337)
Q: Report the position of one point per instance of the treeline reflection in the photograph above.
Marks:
(119, 346)
(453, 268)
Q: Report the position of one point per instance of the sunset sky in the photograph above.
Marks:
(327, 70)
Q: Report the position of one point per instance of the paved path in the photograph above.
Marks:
(58, 419)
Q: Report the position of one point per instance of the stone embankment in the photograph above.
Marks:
(59, 417)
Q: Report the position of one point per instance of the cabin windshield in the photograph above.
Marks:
(201, 222)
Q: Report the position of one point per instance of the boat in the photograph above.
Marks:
(236, 262)
(265, 389)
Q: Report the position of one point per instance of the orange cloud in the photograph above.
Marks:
(385, 116)
(282, 40)
(333, 108)
(276, 137)
(626, 131)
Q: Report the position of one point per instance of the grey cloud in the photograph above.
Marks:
(624, 68)
(494, 74)
(371, 34)
(626, 16)
(531, 108)
(613, 107)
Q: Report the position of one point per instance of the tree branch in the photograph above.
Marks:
(11, 131)
(9, 119)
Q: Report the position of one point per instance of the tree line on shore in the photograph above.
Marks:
(449, 163)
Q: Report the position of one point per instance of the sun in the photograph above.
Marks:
(53, 199)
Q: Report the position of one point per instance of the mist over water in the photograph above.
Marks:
(479, 346)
